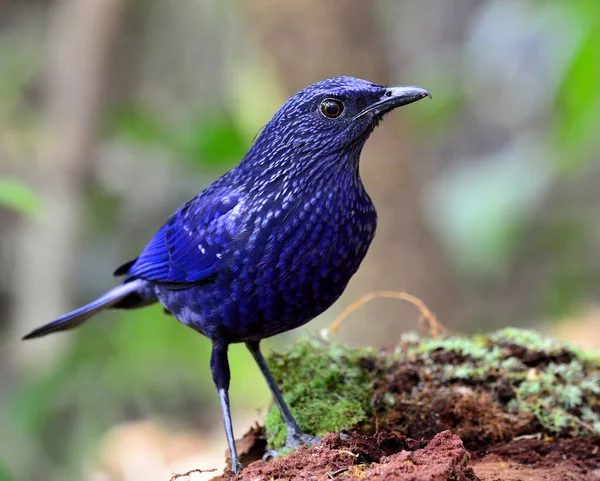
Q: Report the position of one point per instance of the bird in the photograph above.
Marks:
(273, 242)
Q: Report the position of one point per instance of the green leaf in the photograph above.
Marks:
(215, 141)
(17, 196)
(205, 140)
(139, 126)
(578, 99)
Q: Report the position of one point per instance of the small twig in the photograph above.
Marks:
(343, 451)
(583, 424)
(528, 436)
(333, 474)
(193, 471)
(574, 418)
(435, 327)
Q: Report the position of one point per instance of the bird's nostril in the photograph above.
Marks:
(388, 93)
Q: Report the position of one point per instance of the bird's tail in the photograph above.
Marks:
(78, 316)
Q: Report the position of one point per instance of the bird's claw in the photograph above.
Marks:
(271, 454)
(237, 468)
(294, 441)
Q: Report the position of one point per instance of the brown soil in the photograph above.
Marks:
(386, 456)
(425, 404)
(381, 457)
(568, 459)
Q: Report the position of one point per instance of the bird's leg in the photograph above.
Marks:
(219, 366)
(295, 437)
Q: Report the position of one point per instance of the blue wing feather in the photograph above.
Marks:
(189, 246)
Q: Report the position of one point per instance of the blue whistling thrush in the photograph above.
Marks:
(272, 243)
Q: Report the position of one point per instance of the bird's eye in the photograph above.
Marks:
(332, 108)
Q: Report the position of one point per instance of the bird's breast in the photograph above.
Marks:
(289, 264)
(328, 231)
(298, 261)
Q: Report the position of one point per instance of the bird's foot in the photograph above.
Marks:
(299, 439)
(294, 441)
(237, 467)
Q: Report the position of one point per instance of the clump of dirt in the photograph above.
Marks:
(382, 457)
(386, 456)
(576, 459)
(444, 457)
(429, 407)
(545, 453)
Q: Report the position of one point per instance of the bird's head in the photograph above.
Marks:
(330, 117)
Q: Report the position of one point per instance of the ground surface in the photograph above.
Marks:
(507, 406)
(386, 456)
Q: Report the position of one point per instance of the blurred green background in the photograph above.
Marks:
(114, 112)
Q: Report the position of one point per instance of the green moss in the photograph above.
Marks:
(324, 385)
(475, 348)
(527, 339)
(556, 393)
(545, 384)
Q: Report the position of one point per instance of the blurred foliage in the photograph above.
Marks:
(4, 474)
(578, 98)
(569, 282)
(19, 63)
(17, 196)
(133, 365)
(487, 209)
(206, 140)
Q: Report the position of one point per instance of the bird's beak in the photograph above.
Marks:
(395, 97)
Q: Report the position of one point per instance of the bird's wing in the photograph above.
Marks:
(188, 248)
